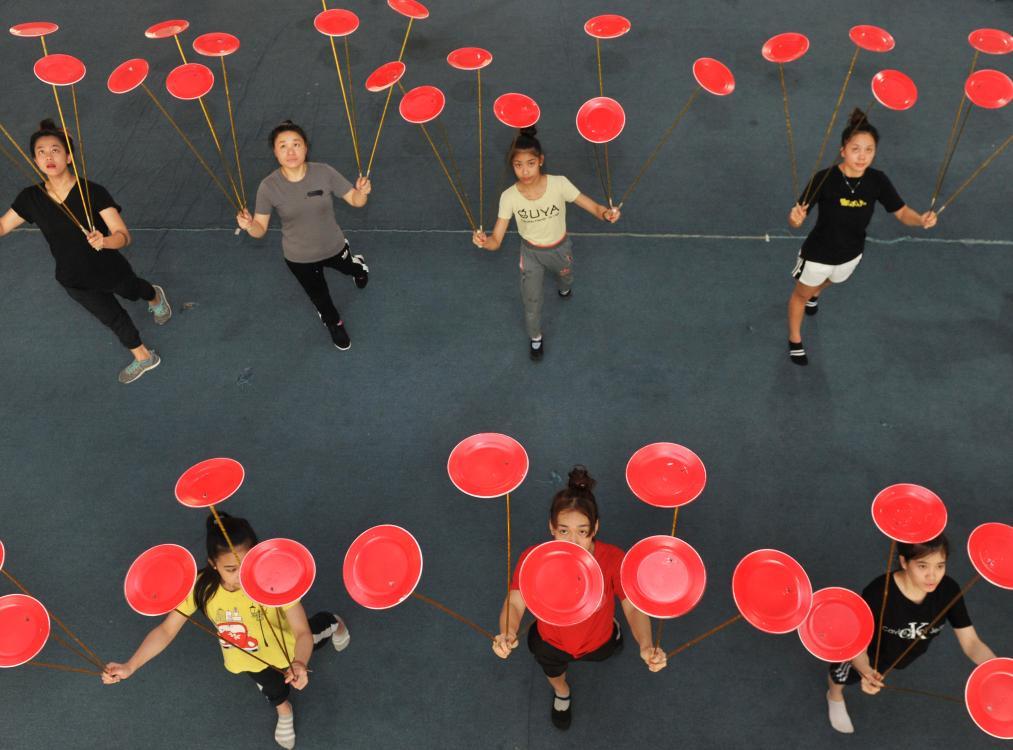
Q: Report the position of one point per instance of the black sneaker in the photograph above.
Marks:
(362, 276)
(565, 295)
(812, 306)
(340, 336)
(796, 352)
(561, 719)
(537, 349)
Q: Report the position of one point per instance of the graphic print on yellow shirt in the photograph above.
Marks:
(540, 222)
(244, 630)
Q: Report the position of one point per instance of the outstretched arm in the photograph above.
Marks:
(297, 674)
(972, 646)
(506, 641)
(611, 215)
(910, 217)
(481, 239)
(358, 195)
(9, 222)
(255, 225)
(640, 626)
(153, 644)
(118, 237)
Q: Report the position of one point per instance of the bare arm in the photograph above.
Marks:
(504, 643)
(640, 626)
(255, 225)
(597, 210)
(492, 242)
(154, 643)
(910, 217)
(358, 195)
(9, 222)
(118, 237)
(297, 675)
(972, 646)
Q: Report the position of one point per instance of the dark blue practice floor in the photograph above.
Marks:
(675, 332)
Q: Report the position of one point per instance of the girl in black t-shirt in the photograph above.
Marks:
(846, 195)
(88, 266)
(918, 593)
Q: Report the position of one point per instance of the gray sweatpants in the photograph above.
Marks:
(535, 261)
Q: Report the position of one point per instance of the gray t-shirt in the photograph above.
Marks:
(309, 232)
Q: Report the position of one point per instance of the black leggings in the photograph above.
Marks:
(311, 277)
(103, 305)
(272, 683)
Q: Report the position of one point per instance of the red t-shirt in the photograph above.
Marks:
(592, 634)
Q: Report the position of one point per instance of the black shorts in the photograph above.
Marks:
(554, 661)
(845, 674)
(272, 682)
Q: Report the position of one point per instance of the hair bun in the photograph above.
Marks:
(47, 124)
(530, 131)
(579, 479)
(857, 117)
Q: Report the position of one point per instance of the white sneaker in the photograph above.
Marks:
(839, 718)
(284, 731)
(340, 638)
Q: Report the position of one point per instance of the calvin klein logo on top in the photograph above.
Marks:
(538, 214)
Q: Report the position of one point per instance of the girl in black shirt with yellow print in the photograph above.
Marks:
(846, 195)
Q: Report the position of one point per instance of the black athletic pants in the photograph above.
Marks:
(311, 277)
(103, 305)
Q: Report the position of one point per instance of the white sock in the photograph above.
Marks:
(284, 731)
(561, 704)
(839, 718)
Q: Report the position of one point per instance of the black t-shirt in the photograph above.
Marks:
(839, 234)
(904, 621)
(78, 264)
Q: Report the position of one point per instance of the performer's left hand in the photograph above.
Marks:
(363, 185)
(654, 658)
(96, 239)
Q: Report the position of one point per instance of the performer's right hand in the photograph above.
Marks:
(872, 683)
(115, 673)
(244, 218)
(503, 645)
(798, 213)
(479, 238)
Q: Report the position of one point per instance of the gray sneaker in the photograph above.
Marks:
(135, 369)
(162, 311)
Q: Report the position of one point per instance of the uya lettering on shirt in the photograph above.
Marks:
(859, 203)
(538, 214)
(914, 631)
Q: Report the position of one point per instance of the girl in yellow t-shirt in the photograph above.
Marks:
(218, 594)
(538, 202)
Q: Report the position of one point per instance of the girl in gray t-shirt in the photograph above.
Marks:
(302, 193)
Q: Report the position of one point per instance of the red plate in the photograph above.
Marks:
(160, 579)
(713, 76)
(666, 475)
(561, 583)
(487, 465)
(469, 58)
(277, 572)
(608, 26)
(409, 8)
(785, 48)
(59, 70)
(24, 629)
(382, 567)
(34, 28)
(909, 513)
(989, 41)
(385, 76)
(128, 76)
(166, 29)
(990, 89)
(772, 591)
(872, 38)
(516, 110)
(989, 697)
(601, 119)
(838, 627)
(336, 22)
(422, 104)
(2, 554)
(663, 576)
(209, 482)
(894, 90)
(190, 81)
(215, 44)
(990, 548)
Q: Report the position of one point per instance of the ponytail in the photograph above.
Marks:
(241, 534)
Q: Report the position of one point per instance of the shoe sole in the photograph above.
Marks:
(141, 373)
(165, 301)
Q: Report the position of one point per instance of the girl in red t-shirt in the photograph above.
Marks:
(573, 517)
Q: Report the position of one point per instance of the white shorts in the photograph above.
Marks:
(813, 274)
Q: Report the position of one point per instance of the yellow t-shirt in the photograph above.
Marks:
(241, 621)
(543, 221)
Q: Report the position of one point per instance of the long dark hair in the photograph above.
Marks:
(576, 496)
(525, 141)
(858, 123)
(208, 579)
(49, 128)
(912, 552)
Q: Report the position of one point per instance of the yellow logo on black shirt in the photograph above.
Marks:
(859, 203)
